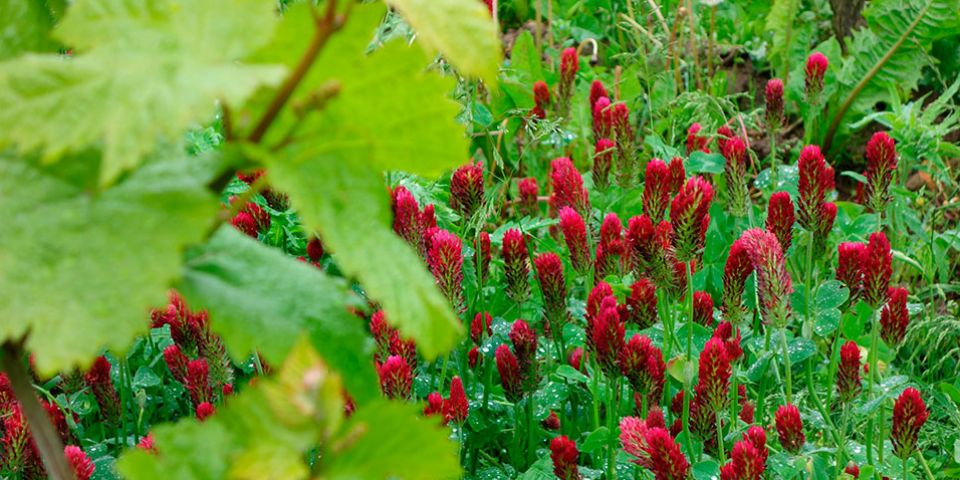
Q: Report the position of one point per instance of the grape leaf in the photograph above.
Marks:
(403, 444)
(80, 268)
(462, 30)
(250, 289)
(24, 27)
(146, 69)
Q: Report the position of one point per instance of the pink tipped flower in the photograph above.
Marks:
(553, 287)
(396, 377)
(687, 211)
(529, 190)
(575, 236)
(790, 428)
(602, 119)
(446, 263)
(606, 335)
(774, 97)
(456, 407)
(816, 180)
(642, 363)
(480, 327)
(466, 189)
(641, 307)
(575, 359)
(881, 163)
(735, 273)
(510, 376)
(602, 162)
(482, 247)
(876, 265)
(654, 449)
(909, 415)
(773, 281)
(730, 336)
(894, 317)
(656, 189)
(541, 94)
(434, 404)
(516, 265)
(98, 379)
(568, 188)
(677, 174)
(81, 465)
(848, 268)
(848, 373)
(474, 357)
(714, 377)
(702, 308)
(780, 218)
(597, 90)
(696, 142)
(198, 381)
(564, 454)
(815, 69)
(176, 362)
(205, 410)
(735, 173)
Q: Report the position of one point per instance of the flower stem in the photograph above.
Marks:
(787, 367)
(723, 456)
(871, 381)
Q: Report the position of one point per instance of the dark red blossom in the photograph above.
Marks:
(541, 94)
(245, 222)
(455, 407)
(654, 449)
(735, 172)
(881, 163)
(746, 462)
(731, 340)
(553, 287)
(396, 377)
(909, 415)
(714, 375)
(466, 189)
(406, 216)
(650, 251)
(687, 212)
(735, 273)
(814, 71)
(146, 444)
(848, 373)
(198, 381)
(434, 404)
(482, 247)
(564, 454)
(602, 162)
(641, 304)
(702, 308)
(569, 65)
(597, 90)
(773, 93)
(780, 218)
(446, 263)
(480, 327)
(876, 265)
(773, 281)
(848, 268)
(176, 362)
(81, 465)
(205, 410)
(677, 174)
(315, 249)
(642, 363)
(568, 190)
(894, 317)
(852, 469)
(790, 428)
(696, 142)
(529, 191)
(516, 265)
(602, 118)
(474, 357)
(98, 379)
(510, 376)
(575, 236)
(656, 189)
(816, 180)
(576, 357)
(606, 336)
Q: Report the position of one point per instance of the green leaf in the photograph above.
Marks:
(24, 27)
(572, 374)
(462, 30)
(80, 268)
(831, 294)
(780, 21)
(392, 440)
(700, 162)
(146, 69)
(800, 349)
(524, 58)
(827, 321)
(597, 439)
(250, 289)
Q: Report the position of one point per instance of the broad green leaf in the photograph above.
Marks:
(339, 196)
(80, 268)
(462, 30)
(251, 289)
(700, 162)
(780, 21)
(831, 294)
(24, 27)
(524, 58)
(263, 432)
(392, 440)
(147, 69)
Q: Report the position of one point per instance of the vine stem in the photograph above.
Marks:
(46, 437)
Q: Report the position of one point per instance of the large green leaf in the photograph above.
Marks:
(462, 30)
(145, 69)
(393, 441)
(780, 21)
(80, 268)
(24, 27)
(251, 289)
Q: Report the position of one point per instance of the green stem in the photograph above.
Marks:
(611, 441)
(926, 468)
(596, 396)
(786, 365)
(531, 424)
(723, 456)
(773, 160)
(905, 471)
(689, 311)
(871, 381)
(688, 442)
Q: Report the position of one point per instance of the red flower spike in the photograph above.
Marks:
(198, 381)
(702, 308)
(881, 163)
(98, 379)
(510, 376)
(714, 375)
(205, 410)
(656, 189)
(552, 422)
(516, 265)
(677, 174)
(480, 328)
(553, 288)
(597, 90)
(406, 216)
(315, 249)
(894, 317)
(815, 69)
(404, 348)
(81, 465)
(816, 180)
(730, 336)
(696, 142)
(848, 373)
(848, 268)
(482, 247)
(564, 454)
(649, 250)
(396, 377)
(250, 177)
(735, 273)
(245, 222)
(569, 64)
(57, 418)
(687, 211)
(828, 213)
(602, 119)
(595, 298)
(524, 341)
(606, 336)
(626, 152)
(641, 307)
(876, 265)
(446, 264)
(568, 188)
(146, 444)
(735, 172)
(529, 191)
(909, 415)
(538, 112)
(774, 97)
(654, 449)
(746, 462)
(434, 404)
(456, 408)
(474, 357)
(466, 189)
(852, 469)
(642, 363)
(176, 362)
(773, 281)
(379, 328)
(575, 236)
(602, 162)
(576, 357)
(541, 94)
(790, 428)
(780, 218)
